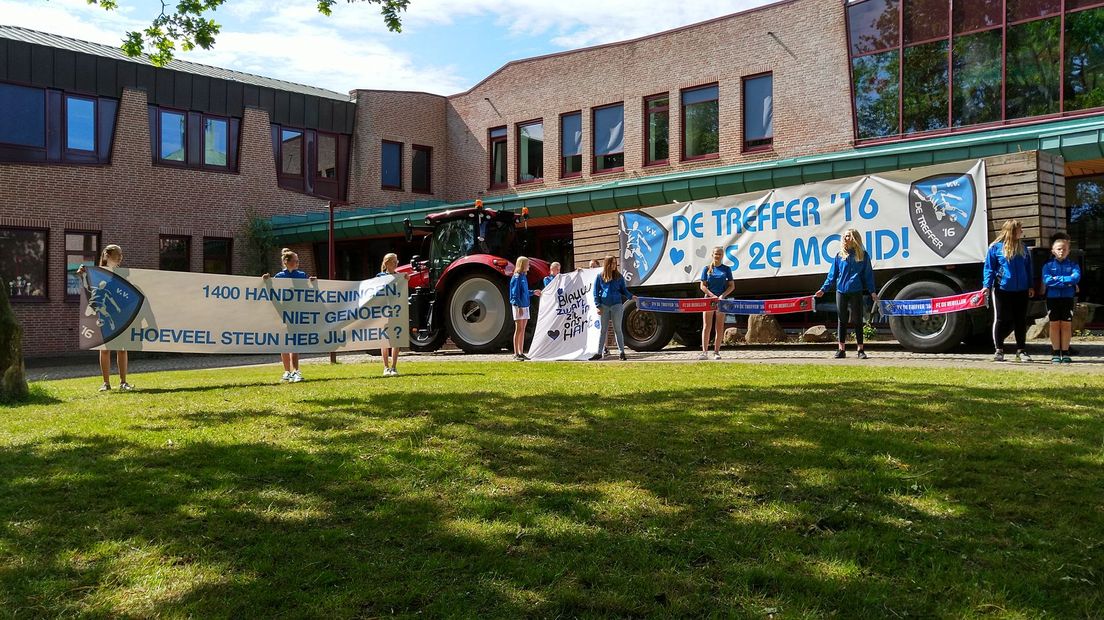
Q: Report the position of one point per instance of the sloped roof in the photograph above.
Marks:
(47, 39)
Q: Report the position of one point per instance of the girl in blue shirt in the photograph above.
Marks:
(716, 282)
(1008, 273)
(610, 295)
(290, 261)
(553, 271)
(110, 258)
(389, 267)
(1060, 278)
(519, 303)
(852, 276)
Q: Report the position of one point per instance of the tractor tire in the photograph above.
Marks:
(689, 335)
(427, 342)
(646, 331)
(478, 313)
(937, 333)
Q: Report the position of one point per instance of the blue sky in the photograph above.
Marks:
(446, 45)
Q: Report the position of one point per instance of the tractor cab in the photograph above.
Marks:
(459, 281)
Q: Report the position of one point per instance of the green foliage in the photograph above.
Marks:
(869, 331)
(260, 244)
(187, 25)
(498, 490)
(13, 382)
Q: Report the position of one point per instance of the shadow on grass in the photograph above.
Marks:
(859, 499)
(37, 395)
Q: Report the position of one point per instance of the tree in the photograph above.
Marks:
(13, 381)
(188, 25)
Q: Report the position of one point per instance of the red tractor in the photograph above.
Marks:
(459, 283)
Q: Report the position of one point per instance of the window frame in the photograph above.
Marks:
(303, 160)
(69, 151)
(65, 256)
(45, 266)
(317, 151)
(383, 183)
(594, 169)
(768, 145)
(648, 163)
(187, 252)
(517, 152)
(562, 157)
(45, 118)
(682, 122)
(203, 142)
(492, 140)
(428, 150)
(229, 254)
(160, 159)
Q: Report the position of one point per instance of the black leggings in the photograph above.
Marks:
(1009, 314)
(849, 306)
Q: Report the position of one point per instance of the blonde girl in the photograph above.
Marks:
(519, 305)
(1061, 276)
(852, 276)
(111, 258)
(610, 295)
(1008, 274)
(716, 283)
(290, 261)
(389, 267)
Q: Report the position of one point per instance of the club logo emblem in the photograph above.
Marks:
(110, 304)
(642, 243)
(942, 208)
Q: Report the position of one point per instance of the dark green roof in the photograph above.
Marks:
(1074, 139)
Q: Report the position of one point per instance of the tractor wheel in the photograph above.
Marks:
(646, 331)
(478, 316)
(936, 333)
(427, 342)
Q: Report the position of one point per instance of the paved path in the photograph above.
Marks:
(1090, 357)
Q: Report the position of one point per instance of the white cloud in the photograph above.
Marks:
(352, 49)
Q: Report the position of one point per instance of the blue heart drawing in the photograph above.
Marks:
(677, 255)
(553, 334)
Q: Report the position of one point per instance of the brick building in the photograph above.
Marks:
(793, 92)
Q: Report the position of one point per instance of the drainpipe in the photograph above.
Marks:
(332, 264)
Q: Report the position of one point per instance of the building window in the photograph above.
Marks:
(700, 123)
(530, 152)
(175, 253)
(758, 112)
(873, 26)
(657, 123)
(976, 92)
(391, 165)
(23, 122)
(571, 145)
(217, 255)
(1085, 196)
(421, 160)
(1034, 50)
(609, 138)
(1084, 72)
(81, 248)
(216, 132)
(326, 162)
(291, 152)
(924, 87)
(876, 94)
(496, 139)
(173, 136)
(23, 263)
(80, 124)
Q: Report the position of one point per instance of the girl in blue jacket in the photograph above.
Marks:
(1060, 277)
(1008, 273)
(519, 304)
(610, 295)
(716, 282)
(852, 276)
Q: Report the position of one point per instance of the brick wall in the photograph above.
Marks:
(807, 54)
(406, 117)
(131, 202)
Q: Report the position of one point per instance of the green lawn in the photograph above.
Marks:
(509, 490)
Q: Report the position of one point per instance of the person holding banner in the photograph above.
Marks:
(610, 295)
(389, 267)
(1060, 278)
(553, 271)
(852, 276)
(1008, 273)
(519, 304)
(110, 258)
(290, 261)
(716, 283)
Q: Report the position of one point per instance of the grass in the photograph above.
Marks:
(508, 490)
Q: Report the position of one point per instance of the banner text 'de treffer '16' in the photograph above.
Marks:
(907, 218)
(148, 310)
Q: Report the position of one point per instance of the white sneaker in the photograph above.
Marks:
(286, 376)
(702, 356)
(1023, 357)
(126, 387)
(387, 372)
(105, 387)
(394, 372)
(296, 376)
(716, 356)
